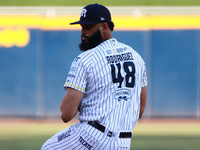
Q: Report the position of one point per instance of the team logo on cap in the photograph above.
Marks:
(83, 13)
(102, 18)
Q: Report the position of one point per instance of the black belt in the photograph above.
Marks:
(102, 129)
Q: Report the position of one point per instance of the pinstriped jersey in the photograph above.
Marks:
(111, 76)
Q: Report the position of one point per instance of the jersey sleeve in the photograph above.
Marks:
(77, 76)
(144, 75)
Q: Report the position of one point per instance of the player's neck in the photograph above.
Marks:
(107, 36)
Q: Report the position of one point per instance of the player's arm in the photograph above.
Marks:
(143, 99)
(69, 104)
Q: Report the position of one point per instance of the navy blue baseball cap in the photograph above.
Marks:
(93, 14)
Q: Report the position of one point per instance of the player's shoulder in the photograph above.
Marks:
(84, 58)
(87, 53)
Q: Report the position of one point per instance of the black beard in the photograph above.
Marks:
(93, 41)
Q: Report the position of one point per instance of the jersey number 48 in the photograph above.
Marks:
(129, 74)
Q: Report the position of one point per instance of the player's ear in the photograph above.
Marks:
(104, 27)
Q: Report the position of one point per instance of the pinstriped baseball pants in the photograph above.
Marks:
(82, 136)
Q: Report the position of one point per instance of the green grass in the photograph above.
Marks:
(23, 143)
(138, 143)
(104, 2)
(165, 143)
(146, 135)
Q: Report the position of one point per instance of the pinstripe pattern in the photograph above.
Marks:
(111, 76)
(95, 140)
(93, 77)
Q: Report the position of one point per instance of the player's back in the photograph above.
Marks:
(114, 80)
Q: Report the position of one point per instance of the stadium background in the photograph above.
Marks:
(37, 46)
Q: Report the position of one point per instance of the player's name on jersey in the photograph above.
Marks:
(120, 57)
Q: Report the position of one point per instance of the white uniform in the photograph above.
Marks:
(111, 76)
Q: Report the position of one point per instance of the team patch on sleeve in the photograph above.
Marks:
(144, 77)
(76, 59)
(71, 75)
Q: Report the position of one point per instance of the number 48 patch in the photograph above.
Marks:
(129, 77)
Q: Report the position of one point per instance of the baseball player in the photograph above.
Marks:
(106, 85)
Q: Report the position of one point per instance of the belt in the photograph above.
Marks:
(102, 129)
